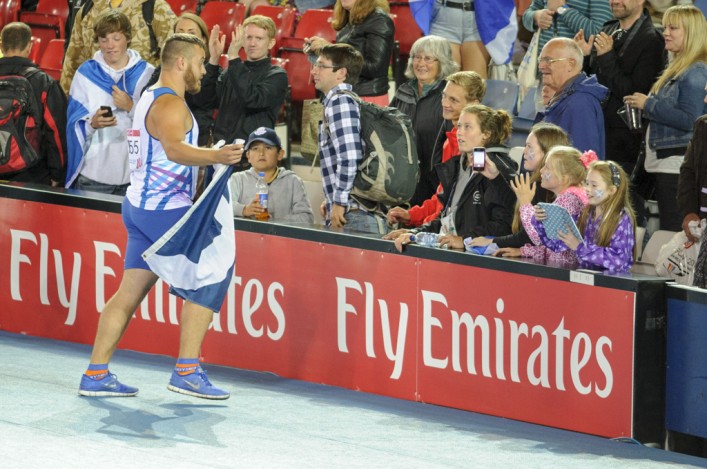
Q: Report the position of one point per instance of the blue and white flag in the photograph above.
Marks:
(421, 10)
(92, 87)
(196, 256)
(498, 27)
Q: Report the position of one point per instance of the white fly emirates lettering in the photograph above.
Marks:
(495, 348)
(576, 347)
(58, 277)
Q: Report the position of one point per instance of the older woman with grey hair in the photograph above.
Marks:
(421, 98)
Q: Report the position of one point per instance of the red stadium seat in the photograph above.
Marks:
(34, 53)
(316, 23)
(52, 58)
(298, 69)
(182, 6)
(9, 11)
(406, 33)
(47, 22)
(227, 15)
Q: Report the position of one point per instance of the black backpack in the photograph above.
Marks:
(20, 123)
(389, 170)
(148, 14)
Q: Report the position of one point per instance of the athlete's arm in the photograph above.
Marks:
(169, 120)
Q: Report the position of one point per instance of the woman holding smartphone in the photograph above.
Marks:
(101, 99)
(477, 202)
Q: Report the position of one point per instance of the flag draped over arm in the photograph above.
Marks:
(498, 27)
(196, 256)
(91, 88)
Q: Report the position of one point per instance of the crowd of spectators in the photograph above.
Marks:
(596, 58)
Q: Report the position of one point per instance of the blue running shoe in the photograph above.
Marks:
(196, 384)
(108, 386)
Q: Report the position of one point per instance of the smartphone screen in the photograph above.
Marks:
(109, 113)
(479, 159)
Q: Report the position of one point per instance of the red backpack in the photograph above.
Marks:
(20, 123)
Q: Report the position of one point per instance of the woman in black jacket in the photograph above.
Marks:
(421, 98)
(367, 26)
(476, 203)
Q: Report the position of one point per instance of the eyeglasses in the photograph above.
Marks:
(425, 59)
(321, 66)
(550, 61)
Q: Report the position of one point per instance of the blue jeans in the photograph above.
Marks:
(362, 221)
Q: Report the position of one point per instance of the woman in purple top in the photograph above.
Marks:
(607, 223)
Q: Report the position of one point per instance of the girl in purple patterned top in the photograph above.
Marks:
(607, 223)
(562, 174)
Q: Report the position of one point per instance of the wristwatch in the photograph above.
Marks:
(561, 10)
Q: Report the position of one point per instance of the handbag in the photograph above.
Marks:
(528, 68)
(677, 259)
(312, 115)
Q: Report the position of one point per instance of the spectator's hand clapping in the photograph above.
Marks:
(585, 45)
(523, 189)
(217, 43)
(237, 39)
(603, 43)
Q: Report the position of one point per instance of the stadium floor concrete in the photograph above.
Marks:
(268, 422)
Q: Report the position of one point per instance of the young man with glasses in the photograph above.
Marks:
(340, 147)
(576, 105)
(627, 57)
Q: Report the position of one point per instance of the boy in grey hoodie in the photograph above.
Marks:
(287, 199)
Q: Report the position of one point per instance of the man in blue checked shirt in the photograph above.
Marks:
(340, 148)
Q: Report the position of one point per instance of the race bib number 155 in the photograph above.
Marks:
(134, 149)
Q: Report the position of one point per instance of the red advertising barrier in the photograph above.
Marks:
(528, 348)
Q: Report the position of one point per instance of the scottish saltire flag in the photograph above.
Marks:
(422, 12)
(196, 256)
(498, 27)
(91, 88)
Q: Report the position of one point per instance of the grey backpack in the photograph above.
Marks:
(389, 170)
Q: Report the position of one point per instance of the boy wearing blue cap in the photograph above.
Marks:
(287, 199)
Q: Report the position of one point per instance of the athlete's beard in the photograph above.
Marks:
(193, 84)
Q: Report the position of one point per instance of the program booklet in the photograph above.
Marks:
(558, 219)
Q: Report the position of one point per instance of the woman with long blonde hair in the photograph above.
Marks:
(674, 103)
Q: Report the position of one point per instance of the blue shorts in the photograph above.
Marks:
(455, 25)
(144, 228)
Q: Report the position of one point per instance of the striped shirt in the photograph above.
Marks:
(340, 147)
(157, 183)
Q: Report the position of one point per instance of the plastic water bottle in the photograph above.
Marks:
(431, 240)
(261, 188)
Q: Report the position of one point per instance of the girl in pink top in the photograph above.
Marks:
(563, 173)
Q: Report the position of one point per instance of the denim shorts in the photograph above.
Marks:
(455, 25)
(144, 227)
